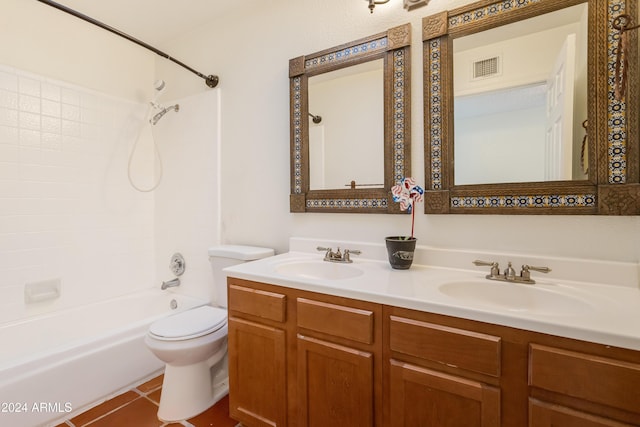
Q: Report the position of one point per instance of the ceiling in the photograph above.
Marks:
(154, 21)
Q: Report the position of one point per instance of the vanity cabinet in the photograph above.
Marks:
(446, 371)
(300, 358)
(339, 361)
(589, 383)
(423, 394)
(258, 358)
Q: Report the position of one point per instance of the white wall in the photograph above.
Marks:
(187, 206)
(250, 52)
(491, 147)
(38, 38)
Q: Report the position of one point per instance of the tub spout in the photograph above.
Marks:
(170, 284)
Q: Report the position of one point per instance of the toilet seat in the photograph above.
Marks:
(189, 324)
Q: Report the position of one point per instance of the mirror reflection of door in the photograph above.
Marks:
(559, 126)
(520, 97)
(348, 144)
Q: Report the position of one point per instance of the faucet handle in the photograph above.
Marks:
(526, 274)
(538, 269)
(347, 254)
(328, 252)
(487, 263)
(495, 271)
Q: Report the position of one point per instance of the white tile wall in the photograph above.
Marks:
(66, 208)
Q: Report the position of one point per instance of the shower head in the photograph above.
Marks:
(155, 119)
(160, 87)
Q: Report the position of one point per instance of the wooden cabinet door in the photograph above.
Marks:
(257, 374)
(335, 385)
(543, 414)
(426, 398)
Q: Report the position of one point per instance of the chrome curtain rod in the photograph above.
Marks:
(210, 80)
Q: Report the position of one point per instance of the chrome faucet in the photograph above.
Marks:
(509, 274)
(338, 256)
(170, 284)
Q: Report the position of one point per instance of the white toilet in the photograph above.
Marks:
(193, 344)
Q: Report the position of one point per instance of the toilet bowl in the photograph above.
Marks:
(193, 345)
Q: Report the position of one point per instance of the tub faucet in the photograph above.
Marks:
(170, 284)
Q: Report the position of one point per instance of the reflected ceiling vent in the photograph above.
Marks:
(486, 68)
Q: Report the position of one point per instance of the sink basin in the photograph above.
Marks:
(318, 270)
(516, 297)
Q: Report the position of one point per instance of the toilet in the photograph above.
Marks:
(193, 344)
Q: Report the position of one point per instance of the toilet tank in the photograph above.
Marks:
(227, 255)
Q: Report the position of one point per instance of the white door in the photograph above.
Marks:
(559, 129)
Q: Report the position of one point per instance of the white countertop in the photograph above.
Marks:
(601, 313)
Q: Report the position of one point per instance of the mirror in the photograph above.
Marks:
(515, 101)
(504, 132)
(350, 103)
(350, 124)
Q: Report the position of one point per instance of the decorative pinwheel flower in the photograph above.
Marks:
(407, 193)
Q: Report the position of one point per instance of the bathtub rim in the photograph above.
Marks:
(71, 349)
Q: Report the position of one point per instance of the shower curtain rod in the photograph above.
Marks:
(210, 80)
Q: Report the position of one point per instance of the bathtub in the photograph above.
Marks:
(58, 364)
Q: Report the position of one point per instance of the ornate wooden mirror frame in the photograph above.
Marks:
(612, 188)
(392, 46)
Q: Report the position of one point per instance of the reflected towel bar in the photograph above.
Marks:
(210, 80)
(621, 23)
(316, 119)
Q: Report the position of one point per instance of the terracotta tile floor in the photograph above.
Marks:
(138, 408)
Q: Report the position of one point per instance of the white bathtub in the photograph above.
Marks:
(58, 364)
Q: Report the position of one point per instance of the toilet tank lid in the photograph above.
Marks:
(240, 252)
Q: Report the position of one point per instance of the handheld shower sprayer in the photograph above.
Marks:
(152, 118)
(155, 119)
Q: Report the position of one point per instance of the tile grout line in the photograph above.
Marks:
(134, 389)
(112, 411)
(140, 394)
(151, 400)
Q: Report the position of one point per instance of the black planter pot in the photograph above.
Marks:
(400, 251)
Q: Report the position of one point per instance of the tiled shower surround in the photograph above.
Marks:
(67, 211)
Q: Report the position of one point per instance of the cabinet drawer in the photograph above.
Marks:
(543, 414)
(454, 347)
(424, 397)
(336, 320)
(584, 376)
(256, 302)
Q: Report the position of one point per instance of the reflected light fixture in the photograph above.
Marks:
(414, 4)
(373, 3)
(408, 4)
